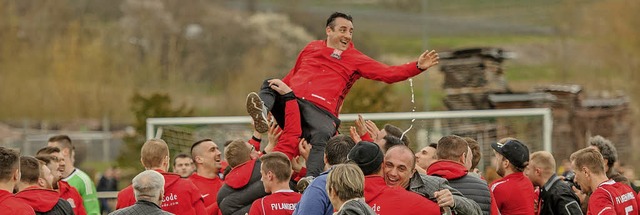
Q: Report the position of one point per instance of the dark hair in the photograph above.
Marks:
(198, 143)
(433, 145)
(9, 160)
(47, 159)
(64, 141)
(237, 153)
(606, 148)
(47, 150)
(396, 132)
(338, 148)
(30, 169)
(475, 151)
(451, 147)
(331, 20)
(391, 141)
(278, 163)
(181, 155)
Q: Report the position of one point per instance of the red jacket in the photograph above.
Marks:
(208, 188)
(513, 194)
(325, 80)
(288, 141)
(612, 198)
(180, 196)
(12, 205)
(278, 203)
(71, 194)
(447, 169)
(41, 200)
(395, 200)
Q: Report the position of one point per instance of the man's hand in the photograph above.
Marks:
(354, 134)
(296, 164)
(372, 129)
(428, 59)
(279, 86)
(304, 148)
(274, 133)
(360, 125)
(444, 197)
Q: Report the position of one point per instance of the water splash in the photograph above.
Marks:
(413, 101)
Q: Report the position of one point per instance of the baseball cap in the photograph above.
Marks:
(513, 150)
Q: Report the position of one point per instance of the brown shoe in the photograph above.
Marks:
(258, 112)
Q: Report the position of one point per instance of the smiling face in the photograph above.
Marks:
(339, 34)
(398, 166)
(209, 156)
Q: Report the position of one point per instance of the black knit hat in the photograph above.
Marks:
(367, 156)
(513, 150)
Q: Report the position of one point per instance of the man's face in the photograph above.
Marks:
(48, 177)
(64, 153)
(183, 167)
(254, 153)
(531, 173)
(468, 159)
(53, 168)
(211, 155)
(398, 167)
(339, 36)
(581, 178)
(61, 162)
(425, 157)
(499, 164)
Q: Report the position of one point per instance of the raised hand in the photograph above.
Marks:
(428, 59)
(304, 148)
(279, 86)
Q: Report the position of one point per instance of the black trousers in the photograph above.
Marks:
(318, 125)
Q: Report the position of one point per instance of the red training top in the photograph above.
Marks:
(281, 202)
(12, 205)
(180, 196)
(612, 198)
(208, 188)
(386, 200)
(41, 200)
(71, 194)
(324, 76)
(513, 194)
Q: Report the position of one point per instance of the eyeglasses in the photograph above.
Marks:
(253, 148)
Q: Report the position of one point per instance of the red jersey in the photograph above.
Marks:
(324, 76)
(513, 194)
(612, 198)
(281, 202)
(208, 188)
(180, 196)
(386, 200)
(71, 194)
(12, 205)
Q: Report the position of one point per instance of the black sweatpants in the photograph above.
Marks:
(318, 125)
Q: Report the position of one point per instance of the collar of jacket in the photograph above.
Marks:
(550, 182)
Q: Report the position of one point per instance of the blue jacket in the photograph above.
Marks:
(315, 200)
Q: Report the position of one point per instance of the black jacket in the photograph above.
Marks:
(556, 197)
(61, 208)
(141, 207)
(242, 186)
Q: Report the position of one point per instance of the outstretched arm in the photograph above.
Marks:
(372, 69)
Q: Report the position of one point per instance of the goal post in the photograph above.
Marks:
(545, 113)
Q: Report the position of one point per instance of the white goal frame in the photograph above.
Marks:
(153, 123)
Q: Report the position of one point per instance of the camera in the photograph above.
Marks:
(569, 177)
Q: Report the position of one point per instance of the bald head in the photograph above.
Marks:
(149, 186)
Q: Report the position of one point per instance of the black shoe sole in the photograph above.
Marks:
(254, 108)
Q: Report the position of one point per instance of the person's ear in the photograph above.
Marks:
(17, 175)
(328, 30)
(41, 182)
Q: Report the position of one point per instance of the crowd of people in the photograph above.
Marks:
(307, 168)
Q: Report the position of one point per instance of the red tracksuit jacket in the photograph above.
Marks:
(385, 200)
(12, 205)
(278, 203)
(325, 80)
(209, 190)
(71, 194)
(513, 194)
(180, 196)
(612, 198)
(41, 200)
